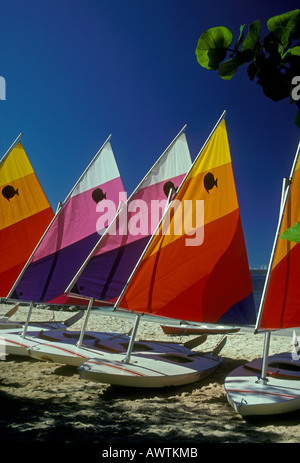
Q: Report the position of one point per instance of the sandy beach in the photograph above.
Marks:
(44, 402)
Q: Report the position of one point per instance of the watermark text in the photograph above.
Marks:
(139, 218)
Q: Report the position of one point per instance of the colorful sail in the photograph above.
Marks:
(72, 234)
(25, 214)
(198, 271)
(106, 271)
(280, 308)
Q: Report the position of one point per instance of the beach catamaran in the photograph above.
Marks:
(271, 385)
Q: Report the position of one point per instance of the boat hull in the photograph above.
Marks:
(56, 349)
(150, 371)
(187, 329)
(64, 342)
(248, 395)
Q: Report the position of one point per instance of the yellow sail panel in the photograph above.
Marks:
(20, 199)
(25, 215)
(187, 214)
(15, 166)
(215, 154)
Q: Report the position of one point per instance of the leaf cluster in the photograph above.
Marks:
(273, 61)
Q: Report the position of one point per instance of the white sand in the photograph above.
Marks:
(47, 402)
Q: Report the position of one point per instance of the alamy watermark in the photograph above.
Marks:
(296, 89)
(139, 218)
(2, 88)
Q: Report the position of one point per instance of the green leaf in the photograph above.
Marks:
(252, 40)
(285, 26)
(294, 51)
(229, 67)
(212, 47)
(241, 37)
(292, 233)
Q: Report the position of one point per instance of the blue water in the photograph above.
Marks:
(258, 281)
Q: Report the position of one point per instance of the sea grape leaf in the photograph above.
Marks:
(229, 67)
(292, 233)
(294, 51)
(241, 37)
(252, 39)
(285, 26)
(212, 47)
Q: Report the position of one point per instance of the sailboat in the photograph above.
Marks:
(70, 236)
(194, 264)
(25, 213)
(271, 385)
(111, 260)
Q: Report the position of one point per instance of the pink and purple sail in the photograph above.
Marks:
(71, 235)
(106, 271)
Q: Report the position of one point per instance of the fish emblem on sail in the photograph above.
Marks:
(21, 225)
(107, 269)
(9, 192)
(172, 275)
(98, 195)
(168, 186)
(210, 181)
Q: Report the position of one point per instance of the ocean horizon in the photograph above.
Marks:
(258, 277)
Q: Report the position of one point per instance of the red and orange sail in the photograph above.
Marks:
(201, 273)
(25, 215)
(281, 308)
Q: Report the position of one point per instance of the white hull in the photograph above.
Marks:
(65, 342)
(150, 371)
(60, 346)
(183, 329)
(105, 344)
(281, 394)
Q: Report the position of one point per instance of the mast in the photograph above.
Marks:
(284, 198)
(138, 316)
(19, 137)
(68, 290)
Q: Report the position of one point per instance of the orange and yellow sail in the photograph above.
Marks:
(25, 214)
(208, 279)
(281, 308)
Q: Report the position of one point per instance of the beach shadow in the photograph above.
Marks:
(66, 370)
(284, 419)
(78, 411)
(20, 359)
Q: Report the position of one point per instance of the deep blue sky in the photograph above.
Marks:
(78, 70)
